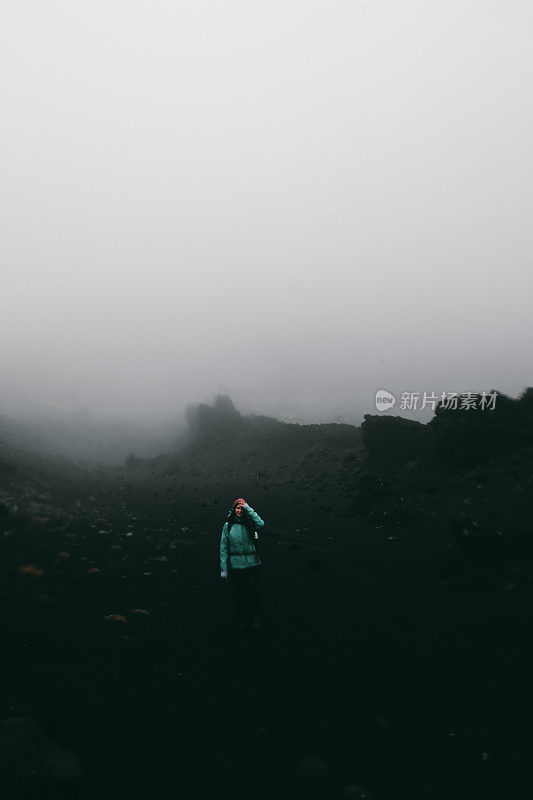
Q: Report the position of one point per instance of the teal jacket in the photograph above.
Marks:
(236, 548)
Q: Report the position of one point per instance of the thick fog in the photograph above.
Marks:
(297, 203)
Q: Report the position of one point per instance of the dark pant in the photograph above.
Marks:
(246, 592)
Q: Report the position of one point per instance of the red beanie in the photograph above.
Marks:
(238, 501)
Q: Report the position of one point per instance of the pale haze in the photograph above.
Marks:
(295, 203)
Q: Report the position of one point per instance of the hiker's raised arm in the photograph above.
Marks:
(254, 516)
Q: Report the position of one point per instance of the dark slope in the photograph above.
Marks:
(475, 466)
(391, 658)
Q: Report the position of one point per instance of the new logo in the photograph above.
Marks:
(384, 400)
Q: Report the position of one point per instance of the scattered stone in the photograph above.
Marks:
(354, 792)
(45, 600)
(30, 569)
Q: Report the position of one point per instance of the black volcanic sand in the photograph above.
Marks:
(384, 663)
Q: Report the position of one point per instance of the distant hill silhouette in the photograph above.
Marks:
(475, 467)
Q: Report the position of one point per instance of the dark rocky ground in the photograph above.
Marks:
(396, 650)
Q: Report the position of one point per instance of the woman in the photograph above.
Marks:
(239, 559)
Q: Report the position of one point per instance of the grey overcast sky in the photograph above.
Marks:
(294, 202)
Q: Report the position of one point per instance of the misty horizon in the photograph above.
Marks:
(423, 412)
